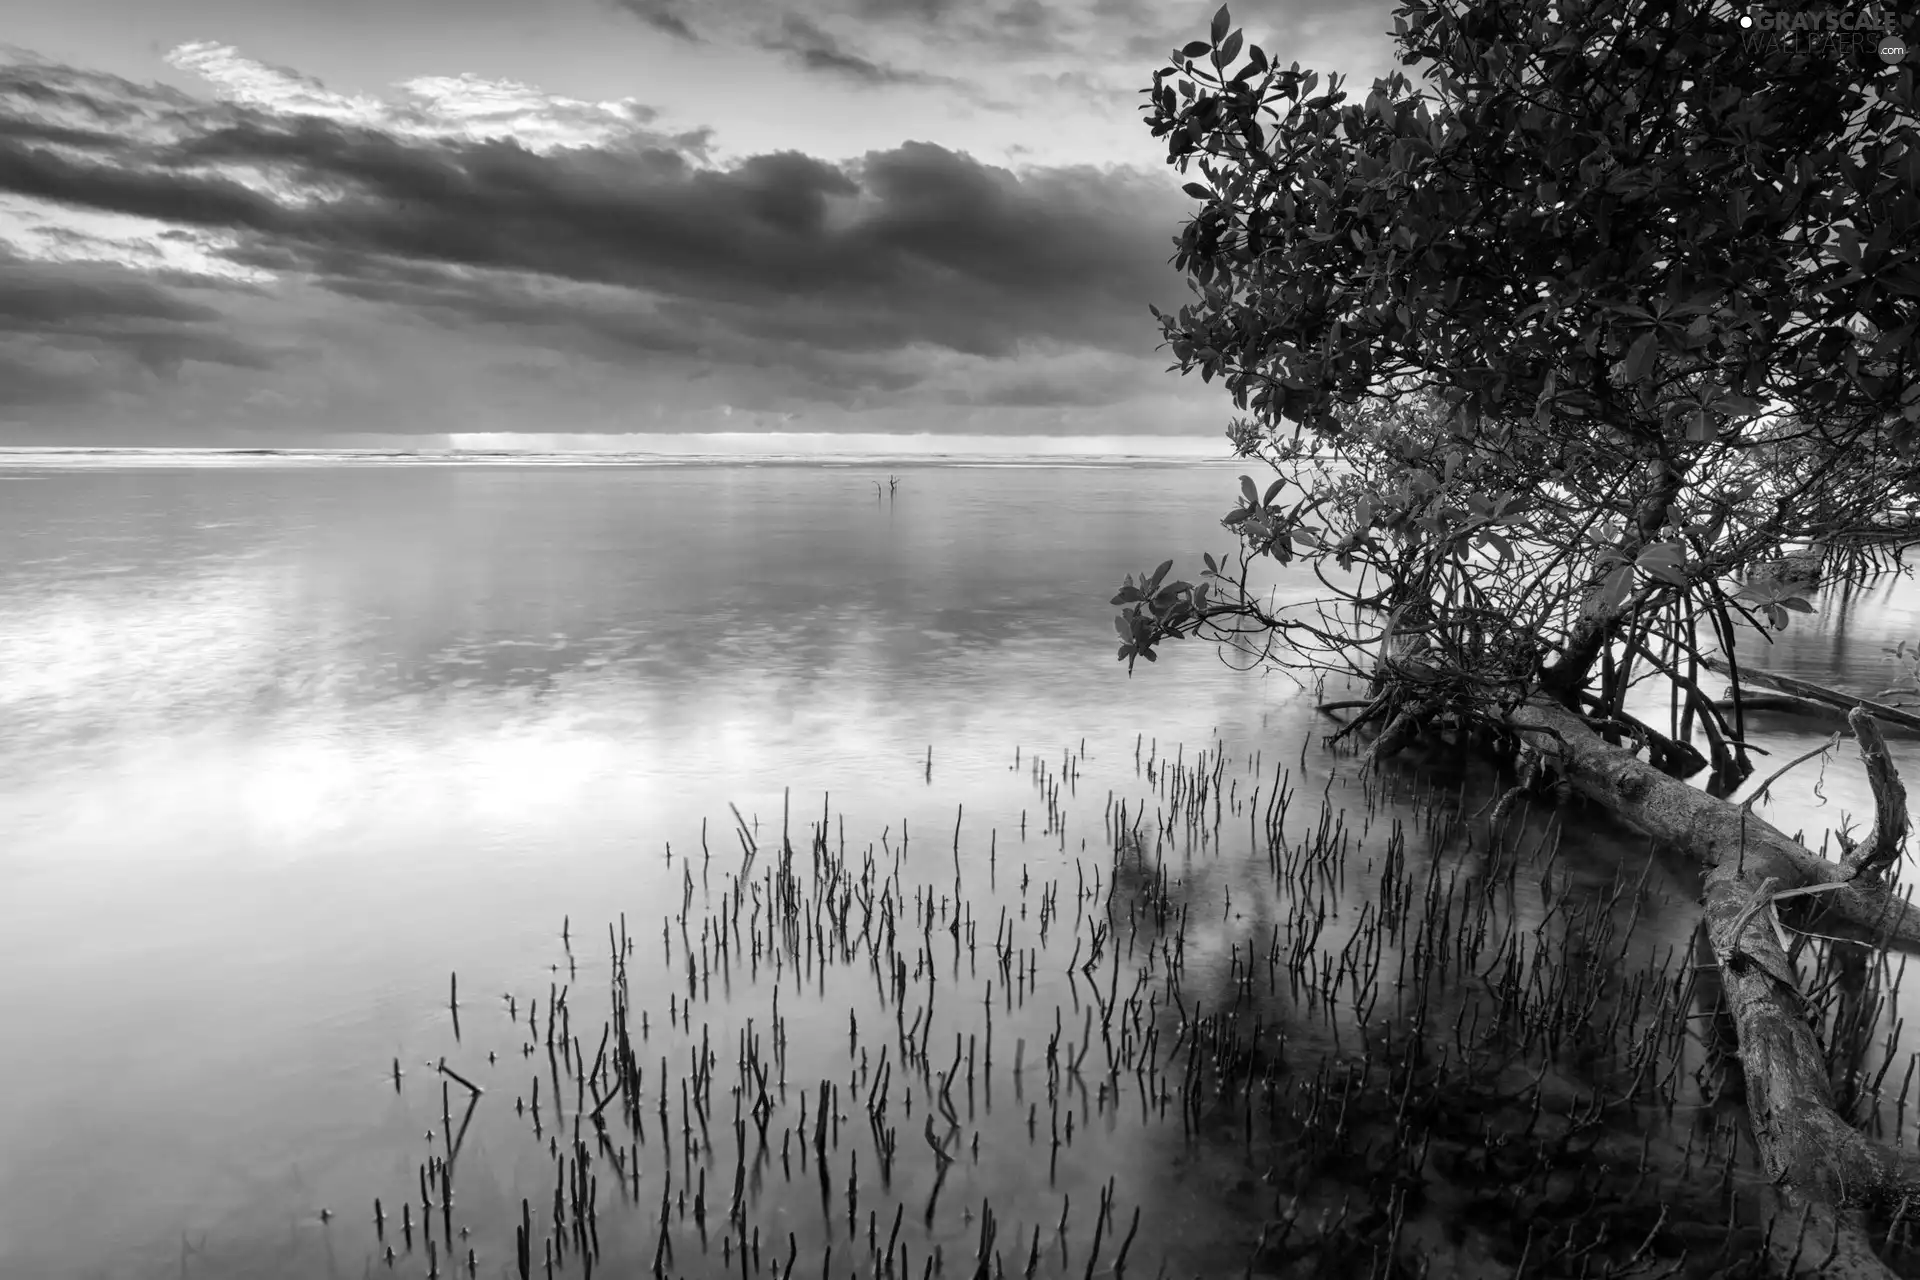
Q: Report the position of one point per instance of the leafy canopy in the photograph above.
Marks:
(1620, 304)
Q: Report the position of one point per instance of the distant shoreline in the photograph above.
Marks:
(54, 457)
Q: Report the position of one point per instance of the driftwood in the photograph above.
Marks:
(1787, 704)
(1748, 701)
(1814, 693)
(1823, 1172)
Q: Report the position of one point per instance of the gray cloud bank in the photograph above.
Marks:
(341, 257)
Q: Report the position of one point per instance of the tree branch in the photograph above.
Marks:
(1882, 846)
(1814, 692)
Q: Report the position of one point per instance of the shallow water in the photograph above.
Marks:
(282, 748)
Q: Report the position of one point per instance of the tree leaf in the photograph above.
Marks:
(1221, 21)
(1199, 192)
(1252, 490)
(1273, 491)
(1120, 625)
(1154, 582)
(1195, 49)
(1211, 566)
(1230, 48)
(1640, 357)
(1796, 603)
(1618, 583)
(1665, 561)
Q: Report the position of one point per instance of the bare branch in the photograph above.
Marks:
(1781, 772)
(1883, 844)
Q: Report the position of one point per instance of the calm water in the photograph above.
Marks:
(281, 747)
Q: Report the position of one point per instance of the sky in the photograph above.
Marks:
(282, 223)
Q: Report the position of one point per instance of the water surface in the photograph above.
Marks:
(283, 746)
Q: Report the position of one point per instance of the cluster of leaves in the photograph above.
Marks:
(1154, 610)
(1620, 311)
(1776, 598)
(1619, 214)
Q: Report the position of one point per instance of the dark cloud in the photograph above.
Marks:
(52, 86)
(916, 244)
(661, 15)
(1025, 24)
(838, 278)
(799, 39)
(930, 11)
(171, 196)
(28, 381)
(63, 135)
(43, 297)
(166, 350)
(75, 335)
(816, 50)
(789, 191)
(101, 308)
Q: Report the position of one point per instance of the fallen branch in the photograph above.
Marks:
(1813, 692)
(1823, 1170)
(1749, 701)
(1787, 704)
(1712, 830)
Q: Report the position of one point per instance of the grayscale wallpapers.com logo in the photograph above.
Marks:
(1829, 28)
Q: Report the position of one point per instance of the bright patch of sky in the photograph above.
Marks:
(435, 106)
(52, 233)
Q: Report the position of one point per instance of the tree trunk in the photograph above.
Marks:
(1824, 1172)
(1568, 675)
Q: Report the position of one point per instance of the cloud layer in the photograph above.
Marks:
(462, 250)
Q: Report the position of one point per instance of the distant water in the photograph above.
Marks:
(282, 745)
(40, 458)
